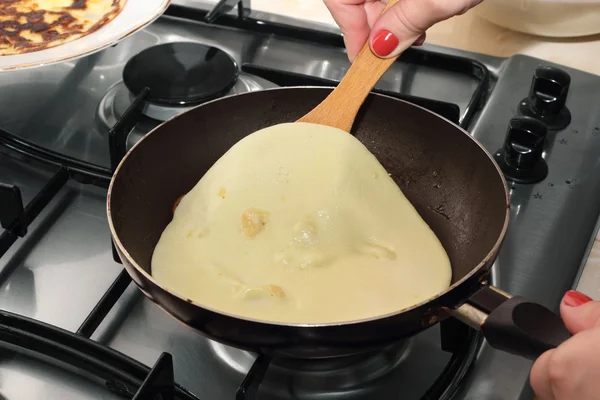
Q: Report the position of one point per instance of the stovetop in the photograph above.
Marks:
(56, 124)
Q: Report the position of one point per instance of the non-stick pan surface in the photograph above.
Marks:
(448, 176)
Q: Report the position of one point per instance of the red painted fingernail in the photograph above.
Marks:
(384, 43)
(575, 299)
(419, 41)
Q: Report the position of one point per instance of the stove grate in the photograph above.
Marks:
(121, 374)
(15, 218)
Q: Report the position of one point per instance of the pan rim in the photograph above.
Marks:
(453, 286)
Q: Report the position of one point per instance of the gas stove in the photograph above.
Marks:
(73, 326)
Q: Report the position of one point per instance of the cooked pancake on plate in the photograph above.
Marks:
(33, 25)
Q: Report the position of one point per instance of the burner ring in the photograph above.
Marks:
(181, 73)
(345, 375)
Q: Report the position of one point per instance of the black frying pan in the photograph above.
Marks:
(452, 181)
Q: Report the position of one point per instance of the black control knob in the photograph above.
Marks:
(547, 98)
(524, 143)
(521, 156)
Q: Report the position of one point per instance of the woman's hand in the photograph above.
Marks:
(401, 26)
(572, 370)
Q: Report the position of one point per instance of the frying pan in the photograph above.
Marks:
(452, 181)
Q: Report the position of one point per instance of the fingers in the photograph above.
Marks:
(351, 17)
(571, 371)
(539, 379)
(355, 19)
(404, 22)
(579, 312)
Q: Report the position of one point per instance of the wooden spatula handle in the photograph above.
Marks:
(340, 107)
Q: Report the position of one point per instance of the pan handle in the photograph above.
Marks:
(513, 324)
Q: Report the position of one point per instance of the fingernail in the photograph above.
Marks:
(575, 299)
(384, 43)
(419, 41)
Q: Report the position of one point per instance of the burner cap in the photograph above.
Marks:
(181, 74)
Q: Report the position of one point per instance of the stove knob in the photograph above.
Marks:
(549, 89)
(524, 142)
(521, 156)
(547, 98)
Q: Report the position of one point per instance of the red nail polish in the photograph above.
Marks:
(384, 43)
(575, 299)
(419, 41)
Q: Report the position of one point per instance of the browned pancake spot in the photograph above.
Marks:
(48, 28)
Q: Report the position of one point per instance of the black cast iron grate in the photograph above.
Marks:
(125, 375)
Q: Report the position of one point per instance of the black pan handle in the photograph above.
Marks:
(513, 324)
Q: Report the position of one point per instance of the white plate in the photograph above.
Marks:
(134, 16)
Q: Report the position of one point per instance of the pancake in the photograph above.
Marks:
(33, 25)
(300, 223)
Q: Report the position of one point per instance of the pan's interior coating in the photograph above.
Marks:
(446, 175)
(316, 232)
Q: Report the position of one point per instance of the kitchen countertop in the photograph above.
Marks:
(471, 33)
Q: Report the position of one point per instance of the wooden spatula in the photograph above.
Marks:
(340, 107)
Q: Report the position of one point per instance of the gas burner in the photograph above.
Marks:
(180, 74)
(118, 98)
(344, 376)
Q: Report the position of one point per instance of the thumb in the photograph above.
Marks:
(579, 312)
(404, 22)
